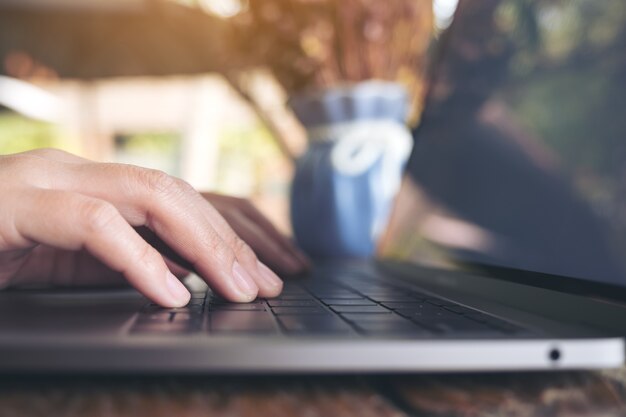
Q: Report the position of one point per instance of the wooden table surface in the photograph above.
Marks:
(568, 394)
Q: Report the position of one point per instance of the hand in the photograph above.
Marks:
(65, 220)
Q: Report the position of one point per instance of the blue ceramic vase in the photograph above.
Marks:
(346, 181)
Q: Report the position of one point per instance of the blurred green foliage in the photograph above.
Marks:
(19, 134)
(244, 153)
(154, 142)
(248, 141)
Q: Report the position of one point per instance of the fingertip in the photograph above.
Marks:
(179, 295)
(270, 284)
(248, 289)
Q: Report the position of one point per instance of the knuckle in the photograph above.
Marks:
(216, 246)
(218, 249)
(160, 184)
(97, 215)
(155, 181)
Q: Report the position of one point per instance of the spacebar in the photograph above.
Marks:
(242, 321)
(313, 324)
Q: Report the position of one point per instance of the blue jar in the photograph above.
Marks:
(345, 183)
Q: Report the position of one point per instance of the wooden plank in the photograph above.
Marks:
(568, 394)
(228, 396)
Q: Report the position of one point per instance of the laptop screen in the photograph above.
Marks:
(520, 157)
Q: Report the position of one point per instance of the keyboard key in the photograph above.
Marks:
(398, 305)
(221, 301)
(394, 298)
(337, 294)
(241, 321)
(360, 309)
(299, 310)
(380, 291)
(348, 302)
(194, 313)
(374, 318)
(290, 289)
(314, 324)
(238, 306)
(330, 289)
(187, 318)
(157, 309)
(156, 317)
(292, 303)
(198, 295)
(425, 310)
(304, 296)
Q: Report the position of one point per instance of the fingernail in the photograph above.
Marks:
(269, 276)
(177, 289)
(244, 281)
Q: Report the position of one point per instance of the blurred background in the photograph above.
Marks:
(197, 88)
(200, 88)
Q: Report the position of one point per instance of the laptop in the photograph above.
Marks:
(505, 249)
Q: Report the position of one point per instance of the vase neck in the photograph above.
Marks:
(365, 101)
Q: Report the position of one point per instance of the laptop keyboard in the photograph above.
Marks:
(313, 308)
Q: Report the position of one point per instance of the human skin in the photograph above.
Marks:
(65, 220)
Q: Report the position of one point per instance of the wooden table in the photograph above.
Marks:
(570, 394)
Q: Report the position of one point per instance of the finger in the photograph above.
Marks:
(98, 227)
(263, 276)
(178, 265)
(268, 250)
(257, 217)
(180, 217)
(292, 254)
(167, 252)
